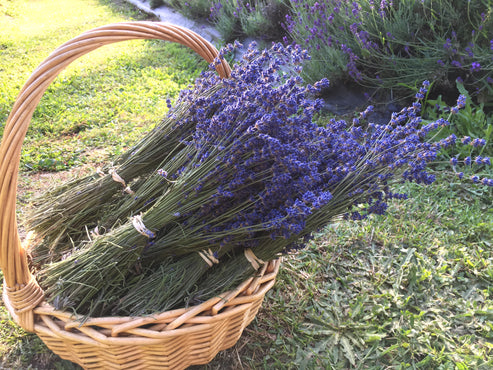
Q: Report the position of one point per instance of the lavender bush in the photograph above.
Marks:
(238, 18)
(392, 44)
(258, 18)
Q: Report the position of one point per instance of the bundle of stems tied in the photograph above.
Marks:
(237, 173)
(64, 215)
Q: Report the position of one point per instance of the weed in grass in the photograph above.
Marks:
(403, 291)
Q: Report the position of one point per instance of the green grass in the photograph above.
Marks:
(105, 99)
(411, 290)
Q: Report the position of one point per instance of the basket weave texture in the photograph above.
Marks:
(172, 339)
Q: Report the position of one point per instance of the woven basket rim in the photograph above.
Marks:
(165, 324)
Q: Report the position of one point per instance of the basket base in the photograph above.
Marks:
(173, 339)
(178, 352)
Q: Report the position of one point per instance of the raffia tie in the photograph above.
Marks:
(208, 257)
(95, 231)
(141, 228)
(116, 177)
(253, 259)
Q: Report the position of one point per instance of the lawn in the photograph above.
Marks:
(105, 99)
(411, 289)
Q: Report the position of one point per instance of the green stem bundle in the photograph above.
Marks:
(64, 215)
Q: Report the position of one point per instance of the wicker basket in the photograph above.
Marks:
(173, 339)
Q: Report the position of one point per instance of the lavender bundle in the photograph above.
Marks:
(63, 216)
(203, 168)
(254, 178)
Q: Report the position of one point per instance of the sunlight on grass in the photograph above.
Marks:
(29, 32)
(108, 97)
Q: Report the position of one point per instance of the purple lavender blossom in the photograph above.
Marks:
(423, 90)
(215, 10)
(447, 45)
(478, 142)
(366, 112)
(487, 182)
(461, 101)
(475, 67)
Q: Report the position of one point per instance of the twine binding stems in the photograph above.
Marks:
(116, 177)
(95, 231)
(208, 257)
(253, 259)
(141, 228)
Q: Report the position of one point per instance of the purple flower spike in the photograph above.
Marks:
(475, 67)
(461, 101)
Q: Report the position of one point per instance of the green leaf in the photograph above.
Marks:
(374, 337)
(461, 366)
(348, 350)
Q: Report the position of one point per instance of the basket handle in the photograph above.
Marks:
(21, 289)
